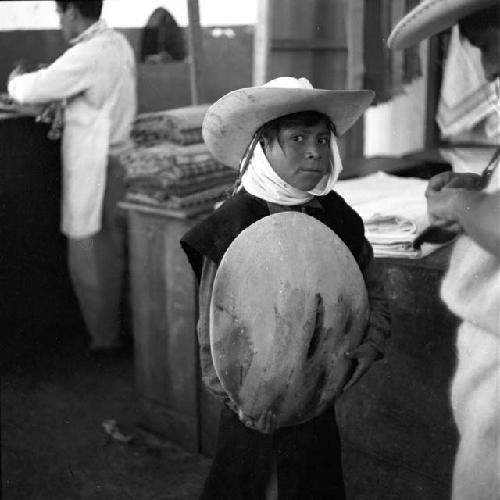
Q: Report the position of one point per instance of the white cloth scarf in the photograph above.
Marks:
(262, 181)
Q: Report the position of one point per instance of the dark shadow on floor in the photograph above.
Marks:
(54, 446)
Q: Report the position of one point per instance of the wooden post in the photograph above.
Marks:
(262, 42)
(195, 52)
(434, 74)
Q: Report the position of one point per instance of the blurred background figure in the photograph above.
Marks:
(469, 204)
(96, 78)
(162, 39)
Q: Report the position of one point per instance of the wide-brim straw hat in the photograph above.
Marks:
(231, 122)
(431, 17)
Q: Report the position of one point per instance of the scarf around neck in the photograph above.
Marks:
(262, 181)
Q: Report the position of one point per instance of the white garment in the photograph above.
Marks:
(467, 159)
(467, 99)
(262, 181)
(96, 77)
(471, 289)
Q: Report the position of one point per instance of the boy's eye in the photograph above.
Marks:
(297, 138)
(323, 140)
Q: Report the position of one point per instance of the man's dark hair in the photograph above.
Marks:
(91, 9)
(479, 21)
(270, 130)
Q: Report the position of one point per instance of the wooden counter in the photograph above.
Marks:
(398, 433)
(37, 296)
(397, 430)
(164, 311)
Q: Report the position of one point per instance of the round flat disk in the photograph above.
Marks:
(288, 301)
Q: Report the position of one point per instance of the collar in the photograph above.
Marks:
(94, 29)
(275, 208)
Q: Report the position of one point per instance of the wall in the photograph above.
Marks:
(398, 127)
(228, 54)
(41, 14)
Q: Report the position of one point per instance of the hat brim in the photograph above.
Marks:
(431, 17)
(230, 123)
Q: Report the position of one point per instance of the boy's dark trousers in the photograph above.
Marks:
(308, 458)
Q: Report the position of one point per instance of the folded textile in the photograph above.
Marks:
(179, 125)
(167, 157)
(197, 202)
(150, 128)
(466, 95)
(399, 251)
(389, 229)
(181, 187)
(393, 209)
(391, 235)
(185, 123)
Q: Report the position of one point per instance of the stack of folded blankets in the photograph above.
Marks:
(170, 167)
(394, 212)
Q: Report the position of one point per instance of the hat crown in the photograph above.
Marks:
(289, 82)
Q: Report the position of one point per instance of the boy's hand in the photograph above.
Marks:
(266, 423)
(364, 356)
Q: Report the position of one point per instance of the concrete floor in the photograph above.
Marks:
(54, 446)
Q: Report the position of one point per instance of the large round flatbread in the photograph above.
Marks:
(288, 301)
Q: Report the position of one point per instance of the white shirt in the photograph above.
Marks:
(97, 78)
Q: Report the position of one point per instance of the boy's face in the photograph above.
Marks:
(301, 154)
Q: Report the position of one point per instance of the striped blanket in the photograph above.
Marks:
(179, 125)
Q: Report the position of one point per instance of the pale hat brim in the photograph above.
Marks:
(230, 123)
(431, 17)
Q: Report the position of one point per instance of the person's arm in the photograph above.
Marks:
(69, 75)
(378, 328)
(379, 323)
(475, 212)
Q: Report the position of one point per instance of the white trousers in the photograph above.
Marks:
(97, 266)
(475, 396)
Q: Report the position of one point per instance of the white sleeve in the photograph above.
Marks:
(67, 76)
